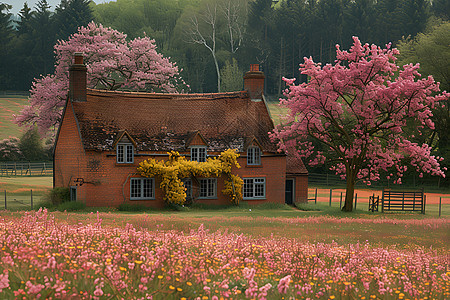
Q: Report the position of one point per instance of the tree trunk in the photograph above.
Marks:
(217, 71)
(348, 206)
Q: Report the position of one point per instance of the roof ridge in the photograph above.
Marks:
(240, 94)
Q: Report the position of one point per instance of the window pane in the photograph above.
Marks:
(202, 155)
(248, 188)
(257, 156)
(119, 153)
(129, 153)
(250, 156)
(203, 187)
(135, 188)
(188, 186)
(194, 154)
(147, 188)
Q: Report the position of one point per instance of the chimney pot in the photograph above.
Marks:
(78, 58)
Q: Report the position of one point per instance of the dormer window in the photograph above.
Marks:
(125, 153)
(253, 156)
(198, 153)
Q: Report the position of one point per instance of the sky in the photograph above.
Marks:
(18, 4)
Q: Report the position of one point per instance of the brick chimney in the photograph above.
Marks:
(254, 82)
(77, 79)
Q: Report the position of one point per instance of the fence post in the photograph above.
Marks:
(315, 197)
(382, 201)
(440, 203)
(31, 199)
(424, 203)
(331, 192)
(340, 202)
(5, 201)
(356, 199)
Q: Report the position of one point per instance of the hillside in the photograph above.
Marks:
(10, 105)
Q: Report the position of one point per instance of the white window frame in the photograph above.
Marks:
(139, 194)
(125, 153)
(198, 153)
(254, 188)
(208, 188)
(187, 182)
(254, 156)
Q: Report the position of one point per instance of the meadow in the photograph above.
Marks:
(182, 255)
(10, 105)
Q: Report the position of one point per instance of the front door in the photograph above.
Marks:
(289, 194)
(73, 193)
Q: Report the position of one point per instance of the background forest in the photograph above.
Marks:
(214, 41)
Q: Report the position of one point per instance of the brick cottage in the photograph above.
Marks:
(104, 135)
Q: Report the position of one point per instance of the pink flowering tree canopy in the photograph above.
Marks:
(358, 109)
(112, 63)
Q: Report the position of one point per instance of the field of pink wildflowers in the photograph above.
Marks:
(45, 257)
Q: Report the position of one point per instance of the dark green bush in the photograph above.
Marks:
(71, 206)
(57, 195)
(132, 207)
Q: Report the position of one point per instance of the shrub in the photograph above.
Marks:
(57, 195)
(132, 207)
(71, 206)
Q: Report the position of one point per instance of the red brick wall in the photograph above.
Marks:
(107, 183)
(69, 154)
(301, 189)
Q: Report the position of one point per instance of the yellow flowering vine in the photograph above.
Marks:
(177, 167)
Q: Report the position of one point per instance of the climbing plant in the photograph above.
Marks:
(178, 167)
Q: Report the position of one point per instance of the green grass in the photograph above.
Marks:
(284, 223)
(10, 105)
(275, 111)
(18, 191)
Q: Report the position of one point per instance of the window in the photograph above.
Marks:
(208, 187)
(254, 188)
(188, 186)
(142, 188)
(253, 156)
(198, 154)
(125, 153)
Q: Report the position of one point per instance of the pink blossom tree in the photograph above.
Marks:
(358, 110)
(112, 62)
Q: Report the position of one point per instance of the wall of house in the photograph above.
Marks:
(69, 154)
(301, 188)
(107, 183)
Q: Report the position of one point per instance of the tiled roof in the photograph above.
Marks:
(295, 165)
(164, 122)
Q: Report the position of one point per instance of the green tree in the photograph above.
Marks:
(441, 9)
(23, 71)
(71, 14)
(31, 146)
(431, 49)
(43, 38)
(231, 76)
(6, 36)
(414, 16)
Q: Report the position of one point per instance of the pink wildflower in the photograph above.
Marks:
(283, 285)
(34, 289)
(4, 281)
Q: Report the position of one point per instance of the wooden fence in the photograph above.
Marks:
(26, 168)
(403, 201)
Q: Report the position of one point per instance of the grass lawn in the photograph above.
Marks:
(8, 106)
(18, 191)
